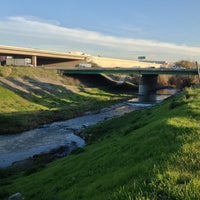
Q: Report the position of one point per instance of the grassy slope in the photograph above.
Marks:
(32, 96)
(148, 154)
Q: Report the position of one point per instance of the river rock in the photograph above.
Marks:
(16, 196)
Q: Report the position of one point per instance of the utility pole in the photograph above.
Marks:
(197, 66)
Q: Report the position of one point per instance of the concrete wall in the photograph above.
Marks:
(112, 62)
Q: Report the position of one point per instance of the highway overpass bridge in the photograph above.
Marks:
(63, 59)
(41, 57)
(148, 81)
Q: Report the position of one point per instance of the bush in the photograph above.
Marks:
(182, 81)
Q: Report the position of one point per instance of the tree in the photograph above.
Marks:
(184, 81)
(186, 64)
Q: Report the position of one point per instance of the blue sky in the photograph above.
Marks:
(158, 29)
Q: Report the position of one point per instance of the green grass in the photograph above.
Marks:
(152, 153)
(30, 97)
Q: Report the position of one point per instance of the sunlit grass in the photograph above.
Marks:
(12, 102)
(152, 154)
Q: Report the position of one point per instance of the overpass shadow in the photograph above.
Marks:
(104, 83)
(51, 102)
(44, 94)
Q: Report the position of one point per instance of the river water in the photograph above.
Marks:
(51, 136)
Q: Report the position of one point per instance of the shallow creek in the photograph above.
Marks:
(51, 136)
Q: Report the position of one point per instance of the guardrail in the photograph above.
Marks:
(143, 71)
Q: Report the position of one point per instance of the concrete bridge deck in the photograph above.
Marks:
(10, 50)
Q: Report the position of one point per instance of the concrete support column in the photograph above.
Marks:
(34, 61)
(147, 88)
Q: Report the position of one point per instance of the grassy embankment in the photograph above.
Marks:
(31, 96)
(148, 154)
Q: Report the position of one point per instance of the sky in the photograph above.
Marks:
(157, 29)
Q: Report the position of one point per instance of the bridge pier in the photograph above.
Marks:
(34, 61)
(147, 88)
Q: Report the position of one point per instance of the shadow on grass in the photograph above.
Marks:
(45, 94)
(59, 103)
(57, 96)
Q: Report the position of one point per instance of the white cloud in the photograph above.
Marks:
(32, 32)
